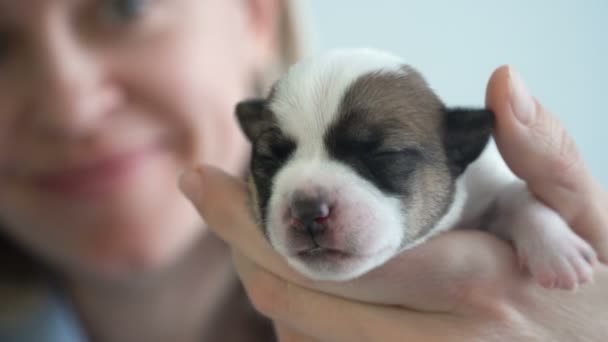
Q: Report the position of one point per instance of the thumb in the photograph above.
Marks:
(538, 149)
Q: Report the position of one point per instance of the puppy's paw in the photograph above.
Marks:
(554, 254)
(556, 258)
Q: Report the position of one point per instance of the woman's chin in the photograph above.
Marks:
(140, 252)
(140, 226)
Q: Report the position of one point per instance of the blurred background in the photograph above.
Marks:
(560, 47)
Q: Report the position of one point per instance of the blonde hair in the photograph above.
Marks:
(290, 35)
(290, 45)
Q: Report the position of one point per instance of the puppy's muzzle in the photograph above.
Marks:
(309, 213)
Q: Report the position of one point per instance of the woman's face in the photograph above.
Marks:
(102, 104)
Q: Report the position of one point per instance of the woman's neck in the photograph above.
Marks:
(173, 305)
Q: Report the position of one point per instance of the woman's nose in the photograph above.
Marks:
(72, 95)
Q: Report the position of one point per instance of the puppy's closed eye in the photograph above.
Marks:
(411, 155)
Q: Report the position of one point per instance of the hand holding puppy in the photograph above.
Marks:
(538, 149)
(463, 285)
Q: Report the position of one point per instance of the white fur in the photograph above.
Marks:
(306, 102)
(552, 252)
(475, 191)
(482, 181)
(308, 96)
(370, 223)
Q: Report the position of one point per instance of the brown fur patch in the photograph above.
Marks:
(406, 114)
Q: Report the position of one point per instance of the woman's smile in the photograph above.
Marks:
(99, 175)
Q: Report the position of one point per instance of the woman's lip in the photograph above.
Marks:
(97, 177)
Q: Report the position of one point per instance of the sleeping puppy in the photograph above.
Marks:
(355, 159)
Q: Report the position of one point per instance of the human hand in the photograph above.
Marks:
(539, 150)
(461, 285)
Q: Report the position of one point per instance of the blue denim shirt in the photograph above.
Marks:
(49, 318)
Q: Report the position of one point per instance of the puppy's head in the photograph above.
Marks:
(354, 159)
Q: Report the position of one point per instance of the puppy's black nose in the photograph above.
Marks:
(309, 213)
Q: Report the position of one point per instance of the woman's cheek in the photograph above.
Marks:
(203, 121)
(223, 145)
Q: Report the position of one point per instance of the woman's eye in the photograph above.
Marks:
(124, 10)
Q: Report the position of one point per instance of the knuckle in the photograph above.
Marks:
(567, 155)
(558, 147)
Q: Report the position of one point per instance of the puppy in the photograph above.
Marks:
(355, 159)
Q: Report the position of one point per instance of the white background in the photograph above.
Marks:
(560, 47)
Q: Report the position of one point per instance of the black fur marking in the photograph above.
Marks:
(359, 143)
(271, 151)
(254, 117)
(270, 147)
(466, 134)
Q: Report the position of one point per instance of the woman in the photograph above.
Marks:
(104, 103)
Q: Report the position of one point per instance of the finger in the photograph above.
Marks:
(436, 276)
(538, 149)
(223, 202)
(329, 318)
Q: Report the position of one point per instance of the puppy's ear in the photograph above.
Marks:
(254, 117)
(466, 134)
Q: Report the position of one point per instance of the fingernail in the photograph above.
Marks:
(522, 102)
(190, 183)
